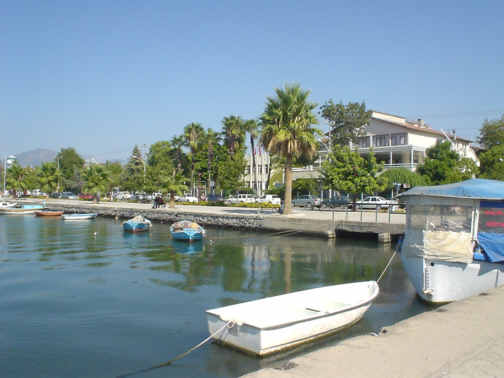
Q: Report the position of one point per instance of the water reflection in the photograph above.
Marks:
(187, 248)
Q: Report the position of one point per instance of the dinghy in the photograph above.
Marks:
(187, 230)
(137, 224)
(274, 324)
(79, 216)
(48, 213)
(20, 209)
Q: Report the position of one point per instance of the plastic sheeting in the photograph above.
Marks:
(493, 246)
(474, 188)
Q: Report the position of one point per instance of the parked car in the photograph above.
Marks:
(334, 202)
(68, 195)
(212, 198)
(307, 201)
(373, 202)
(245, 198)
(86, 197)
(270, 198)
(188, 198)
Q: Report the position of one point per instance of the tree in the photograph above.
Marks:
(305, 186)
(234, 133)
(492, 163)
(402, 176)
(212, 143)
(96, 179)
(49, 177)
(492, 133)
(345, 121)
(193, 135)
(134, 173)
(70, 164)
(251, 127)
(17, 178)
(173, 183)
(230, 170)
(287, 130)
(348, 171)
(115, 171)
(444, 166)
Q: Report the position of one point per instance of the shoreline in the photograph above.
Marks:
(321, 223)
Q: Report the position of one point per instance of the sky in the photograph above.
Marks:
(103, 76)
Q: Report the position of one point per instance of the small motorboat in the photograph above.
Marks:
(81, 216)
(187, 230)
(20, 209)
(270, 325)
(137, 224)
(5, 204)
(48, 213)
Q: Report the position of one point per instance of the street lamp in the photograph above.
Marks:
(7, 163)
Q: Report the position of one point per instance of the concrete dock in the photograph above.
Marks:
(461, 339)
(326, 223)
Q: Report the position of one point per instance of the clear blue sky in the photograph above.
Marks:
(103, 76)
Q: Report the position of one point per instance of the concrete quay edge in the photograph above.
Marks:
(319, 223)
(460, 339)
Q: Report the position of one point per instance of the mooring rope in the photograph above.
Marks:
(229, 324)
(397, 248)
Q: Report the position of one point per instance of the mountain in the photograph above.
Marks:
(35, 157)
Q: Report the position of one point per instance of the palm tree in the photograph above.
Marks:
(212, 142)
(49, 177)
(174, 184)
(17, 178)
(96, 179)
(287, 130)
(193, 134)
(234, 133)
(252, 128)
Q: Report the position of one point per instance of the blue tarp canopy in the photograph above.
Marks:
(493, 245)
(474, 188)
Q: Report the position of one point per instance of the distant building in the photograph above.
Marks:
(258, 181)
(397, 142)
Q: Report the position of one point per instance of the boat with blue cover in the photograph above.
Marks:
(137, 224)
(20, 209)
(453, 247)
(187, 230)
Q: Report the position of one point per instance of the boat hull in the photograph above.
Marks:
(439, 281)
(300, 318)
(17, 211)
(49, 213)
(189, 235)
(136, 227)
(79, 216)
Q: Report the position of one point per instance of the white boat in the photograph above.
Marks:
(5, 204)
(20, 209)
(453, 247)
(79, 216)
(270, 325)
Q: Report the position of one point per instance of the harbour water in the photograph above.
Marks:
(84, 299)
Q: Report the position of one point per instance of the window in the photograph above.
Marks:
(363, 142)
(380, 140)
(491, 217)
(398, 139)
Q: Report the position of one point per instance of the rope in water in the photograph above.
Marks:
(398, 247)
(229, 324)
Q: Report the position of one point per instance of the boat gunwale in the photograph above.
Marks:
(316, 317)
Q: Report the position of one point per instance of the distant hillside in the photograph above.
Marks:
(35, 157)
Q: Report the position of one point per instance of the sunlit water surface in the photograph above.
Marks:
(84, 299)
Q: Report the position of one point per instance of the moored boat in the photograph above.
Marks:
(453, 247)
(20, 209)
(5, 204)
(270, 325)
(137, 224)
(187, 230)
(77, 216)
(48, 213)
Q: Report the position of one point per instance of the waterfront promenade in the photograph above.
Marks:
(320, 222)
(462, 339)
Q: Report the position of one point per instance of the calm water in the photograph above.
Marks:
(83, 299)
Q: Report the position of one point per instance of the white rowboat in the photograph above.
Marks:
(79, 216)
(270, 325)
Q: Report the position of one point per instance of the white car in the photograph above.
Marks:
(191, 199)
(245, 198)
(376, 202)
(270, 198)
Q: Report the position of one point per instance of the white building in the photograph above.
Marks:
(397, 142)
(257, 181)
